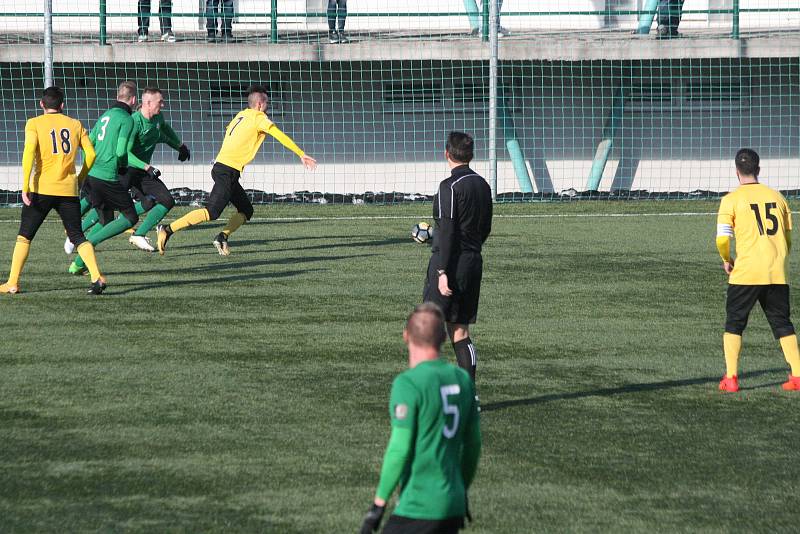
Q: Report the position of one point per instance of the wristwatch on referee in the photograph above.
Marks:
(440, 272)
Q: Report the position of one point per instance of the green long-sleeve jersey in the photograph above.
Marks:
(435, 445)
(110, 138)
(147, 133)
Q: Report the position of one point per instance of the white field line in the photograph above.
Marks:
(497, 216)
(423, 217)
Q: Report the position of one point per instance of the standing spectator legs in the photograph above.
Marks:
(337, 9)
(669, 17)
(165, 20)
(143, 19)
(211, 18)
(503, 32)
(227, 19)
(225, 10)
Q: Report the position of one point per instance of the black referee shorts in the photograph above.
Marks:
(146, 189)
(227, 189)
(465, 280)
(398, 524)
(68, 208)
(774, 300)
(106, 197)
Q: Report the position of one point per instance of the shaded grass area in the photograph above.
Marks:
(249, 393)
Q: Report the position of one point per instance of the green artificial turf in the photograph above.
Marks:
(249, 393)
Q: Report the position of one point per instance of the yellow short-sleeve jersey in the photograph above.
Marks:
(243, 137)
(54, 139)
(759, 219)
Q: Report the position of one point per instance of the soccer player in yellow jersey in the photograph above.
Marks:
(51, 144)
(761, 222)
(243, 137)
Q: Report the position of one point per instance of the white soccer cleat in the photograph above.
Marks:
(141, 242)
(69, 248)
(221, 244)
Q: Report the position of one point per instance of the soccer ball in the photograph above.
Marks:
(422, 232)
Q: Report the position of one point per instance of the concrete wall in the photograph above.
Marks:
(380, 126)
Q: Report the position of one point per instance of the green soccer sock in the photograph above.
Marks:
(139, 208)
(153, 218)
(85, 205)
(90, 220)
(96, 229)
(115, 227)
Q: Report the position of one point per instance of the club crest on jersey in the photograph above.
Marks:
(400, 411)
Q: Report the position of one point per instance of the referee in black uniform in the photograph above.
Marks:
(462, 209)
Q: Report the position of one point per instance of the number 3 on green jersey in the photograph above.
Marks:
(102, 134)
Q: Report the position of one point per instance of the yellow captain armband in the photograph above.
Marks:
(724, 235)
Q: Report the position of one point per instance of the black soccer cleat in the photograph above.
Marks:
(221, 243)
(98, 286)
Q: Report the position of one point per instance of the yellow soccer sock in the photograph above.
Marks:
(86, 252)
(18, 260)
(732, 345)
(190, 219)
(791, 353)
(236, 221)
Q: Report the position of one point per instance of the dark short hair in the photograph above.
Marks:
(152, 91)
(425, 326)
(53, 97)
(460, 146)
(256, 93)
(256, 89)
(747, 162)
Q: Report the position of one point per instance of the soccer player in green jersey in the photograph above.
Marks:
(111, 137)
(435, 443)
(149, 129)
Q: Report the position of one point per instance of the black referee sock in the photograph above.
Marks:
(466, 356)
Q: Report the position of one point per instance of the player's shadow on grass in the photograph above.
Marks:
(322, 246)
(226, 265)
(196, 281)
(629, 388)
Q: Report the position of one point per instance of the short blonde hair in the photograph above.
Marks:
(126, 90)
(425, 326)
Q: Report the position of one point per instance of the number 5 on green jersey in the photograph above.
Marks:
(450, 409)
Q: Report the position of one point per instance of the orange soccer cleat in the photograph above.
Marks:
(731, 385)
(793, 384)
(11, 290)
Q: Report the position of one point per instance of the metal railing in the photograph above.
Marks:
(645, 16)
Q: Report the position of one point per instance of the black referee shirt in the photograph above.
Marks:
(462, 209)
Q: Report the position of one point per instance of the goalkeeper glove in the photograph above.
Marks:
(153, 172)
(183, 153)
(373, 519)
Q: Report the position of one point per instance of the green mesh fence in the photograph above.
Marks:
(594, 99)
